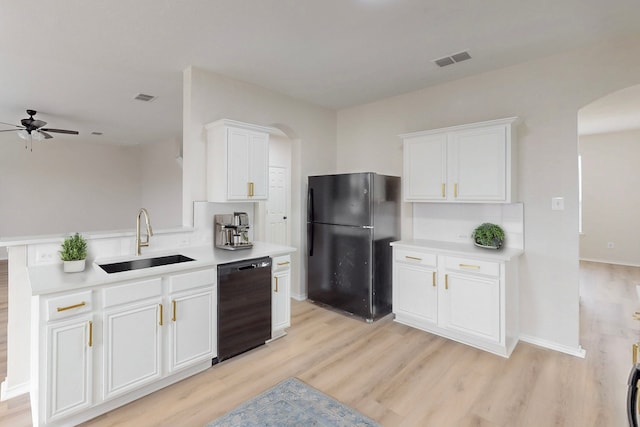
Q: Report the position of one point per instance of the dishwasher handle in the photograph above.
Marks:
(263, 264)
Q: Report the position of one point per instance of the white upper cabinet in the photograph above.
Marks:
(468, 163)
(237, 161)
(425, 167)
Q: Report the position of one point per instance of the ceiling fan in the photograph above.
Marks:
(33, 129)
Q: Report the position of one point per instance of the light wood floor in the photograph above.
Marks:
(403, 377)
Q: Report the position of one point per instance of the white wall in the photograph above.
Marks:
(547, 95)
(611, 206)
(209, 97)
(160, 184)
(62, 187)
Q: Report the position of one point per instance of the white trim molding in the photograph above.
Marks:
(9, 392)
(604, 261)
(573, 351)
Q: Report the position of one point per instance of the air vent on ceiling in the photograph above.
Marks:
(144, 97)
(96, 133)
(452, 59)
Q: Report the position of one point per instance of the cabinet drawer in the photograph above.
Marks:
(415, 257)
(486, 268)
(280, 263)
(131, 292)
(69, 305)
(192, 280)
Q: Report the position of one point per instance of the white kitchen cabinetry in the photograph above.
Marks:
(147, 333)
(132, 336)
(63, 373)
(237, 161)
(415, 291)
(470, 300)
(193, 319)
(69, 350)
(280, 295)
(468, 163)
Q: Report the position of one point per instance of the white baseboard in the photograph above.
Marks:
(605, 261)
(7, 392)
(573, 351)
(299, 297)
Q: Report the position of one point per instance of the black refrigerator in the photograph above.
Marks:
(351, 219)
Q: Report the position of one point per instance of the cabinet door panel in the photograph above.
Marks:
(472, 305)
(414, 292)
(132, 347)
(192, 332)
(425, 167)
(259, 166)
(479, 171)
(69, 367)
(237, 168)
(281, 308)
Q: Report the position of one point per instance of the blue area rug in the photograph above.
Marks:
(292, 403)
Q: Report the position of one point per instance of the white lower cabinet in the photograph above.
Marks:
(416, 299)
(98, 349)
(193, 326)
(280, 295)
(69, 365)
(132, 346)
(465, 299)
(471, 305)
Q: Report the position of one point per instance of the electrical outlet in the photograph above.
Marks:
(610, 245)
(44, 257)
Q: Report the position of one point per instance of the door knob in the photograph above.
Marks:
(284, 217)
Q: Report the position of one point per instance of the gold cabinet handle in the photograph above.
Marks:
(160, 307)
(250, 190)
(443, 189)
(433, 278)
(446, 281)
(284, 263)
(634, 354)
(69, 307)
(413, 258)
(90, 333)
(276, 283)
(455, 190)
(174, 306)
(470, 266)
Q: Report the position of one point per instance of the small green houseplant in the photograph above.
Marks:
(74, 253)
(488, 235)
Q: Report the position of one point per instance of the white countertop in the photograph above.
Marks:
(48, 279)
(467, 249)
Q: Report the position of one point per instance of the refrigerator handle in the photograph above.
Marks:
(310, 237)
(310, 205)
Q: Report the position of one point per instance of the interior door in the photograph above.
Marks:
(277, 211)
(339, 267)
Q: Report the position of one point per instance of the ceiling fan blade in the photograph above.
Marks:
(46, 135)
(10, 130)
(37, 123)
(70, 132)
(11, 124)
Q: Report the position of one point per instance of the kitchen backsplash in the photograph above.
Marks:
(454, 222)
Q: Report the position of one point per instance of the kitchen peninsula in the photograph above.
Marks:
(100, 340)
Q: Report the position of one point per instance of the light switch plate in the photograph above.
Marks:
(557, 203)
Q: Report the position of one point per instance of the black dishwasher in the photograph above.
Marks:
(244, 306)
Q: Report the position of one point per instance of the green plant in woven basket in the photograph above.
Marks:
(74, 248)
(488, 234)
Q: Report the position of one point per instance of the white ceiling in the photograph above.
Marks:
(80, 62)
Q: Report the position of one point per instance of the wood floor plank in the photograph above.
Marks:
(400, 376)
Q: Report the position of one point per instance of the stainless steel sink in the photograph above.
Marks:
(137, 264)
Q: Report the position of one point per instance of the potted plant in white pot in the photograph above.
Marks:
(74, 253)
(488, 235)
